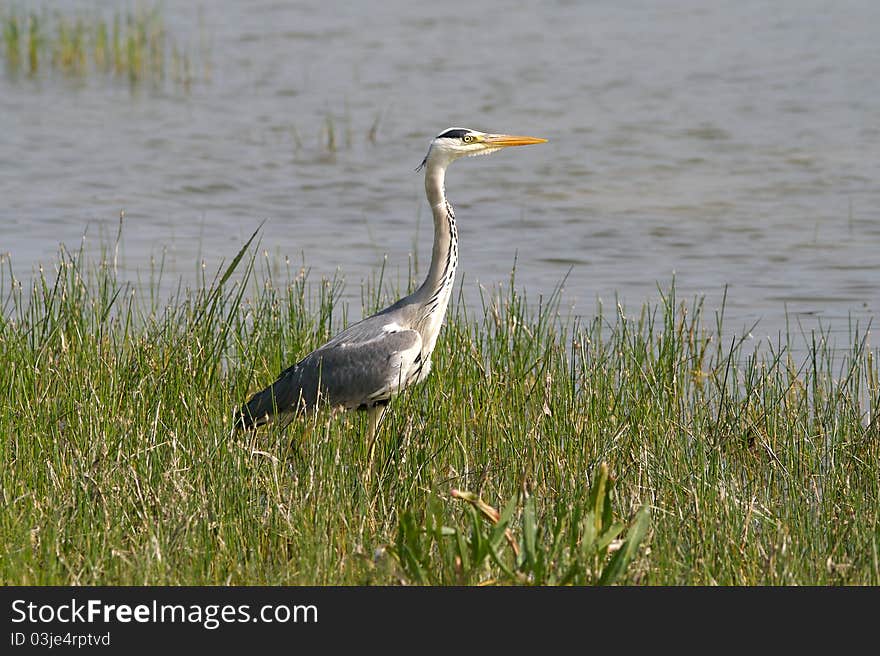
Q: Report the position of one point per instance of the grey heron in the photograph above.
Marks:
(371, 361)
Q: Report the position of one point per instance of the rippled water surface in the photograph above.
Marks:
(728, 144)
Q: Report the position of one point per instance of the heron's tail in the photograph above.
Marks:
(256, 412)
(275, 402)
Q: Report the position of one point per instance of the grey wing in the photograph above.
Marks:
(356, 369)
(363, 373)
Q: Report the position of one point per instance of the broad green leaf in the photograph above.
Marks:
(624, 556)
(497, 535)
(530, 530)
(609, 535)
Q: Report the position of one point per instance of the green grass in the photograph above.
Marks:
(721, 465)
(134, 47)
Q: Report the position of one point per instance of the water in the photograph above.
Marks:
(730, 145)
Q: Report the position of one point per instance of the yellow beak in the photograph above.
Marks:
(502, 140)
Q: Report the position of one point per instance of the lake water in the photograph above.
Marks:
(728, 144)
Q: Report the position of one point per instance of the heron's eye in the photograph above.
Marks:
(468, 138)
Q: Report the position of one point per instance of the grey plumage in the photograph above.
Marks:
(367, 364)
(359, 369)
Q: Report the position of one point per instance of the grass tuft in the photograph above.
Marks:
(134, 47)
(638, 448)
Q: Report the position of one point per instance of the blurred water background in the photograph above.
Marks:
(732, 145)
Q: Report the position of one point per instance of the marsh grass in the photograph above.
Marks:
(133, 46)
(645, 435)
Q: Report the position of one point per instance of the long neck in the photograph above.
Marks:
(435, 291)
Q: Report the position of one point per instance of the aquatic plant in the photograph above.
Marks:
(542, 446)
(133, 46)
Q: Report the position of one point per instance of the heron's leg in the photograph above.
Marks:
(375, 415)
(295, 443)
(309, 420)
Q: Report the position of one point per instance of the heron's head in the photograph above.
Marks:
(453, 143)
